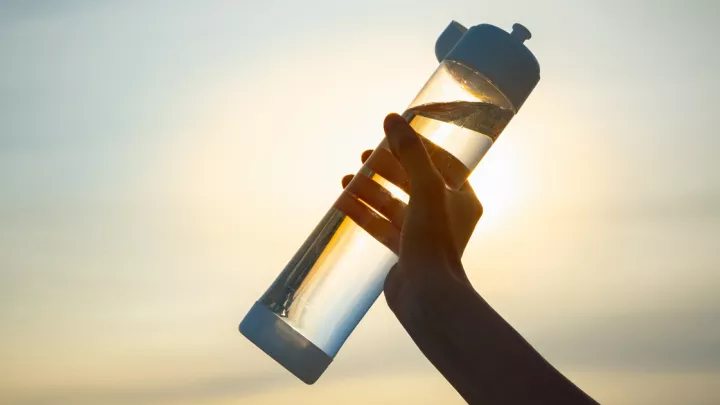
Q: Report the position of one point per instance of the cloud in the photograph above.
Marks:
(231, 385)
(653, 341)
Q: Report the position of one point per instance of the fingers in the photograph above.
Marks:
(467, 188)
(346, 180)
(472, 206)
(377, 226)
(409, 150)
(425, 232)
(365, 155)
(452, 170)
(382, 162)
(379, 198)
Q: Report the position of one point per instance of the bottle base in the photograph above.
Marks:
(284, 344)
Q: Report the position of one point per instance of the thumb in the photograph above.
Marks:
(407, 147)
(424, 231)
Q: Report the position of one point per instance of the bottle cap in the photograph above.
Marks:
(496, 54)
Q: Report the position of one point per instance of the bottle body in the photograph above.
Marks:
(339, 272)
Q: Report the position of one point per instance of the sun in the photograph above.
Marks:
(500, 185)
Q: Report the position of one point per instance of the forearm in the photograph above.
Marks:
(479, 353)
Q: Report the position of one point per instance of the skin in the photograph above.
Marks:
(474, 348)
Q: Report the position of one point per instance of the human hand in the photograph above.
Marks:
(476, 350)
(430, 233)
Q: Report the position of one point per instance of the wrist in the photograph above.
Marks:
(430, 296)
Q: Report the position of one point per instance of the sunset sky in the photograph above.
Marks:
(161, 161)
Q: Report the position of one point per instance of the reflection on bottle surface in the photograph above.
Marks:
(338, 273)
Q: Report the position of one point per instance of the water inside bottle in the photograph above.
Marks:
(462, 130)
(338, 273)
(483, 118)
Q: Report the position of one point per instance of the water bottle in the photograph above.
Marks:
(484, 77)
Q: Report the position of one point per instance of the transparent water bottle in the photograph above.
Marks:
(302, 320)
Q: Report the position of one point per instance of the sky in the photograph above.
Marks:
(161, 161)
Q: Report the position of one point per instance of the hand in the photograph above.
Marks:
(479, 353)
(436, 224)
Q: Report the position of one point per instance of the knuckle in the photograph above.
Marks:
(435, 183)
(478, 208)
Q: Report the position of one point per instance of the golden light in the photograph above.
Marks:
(500, 185)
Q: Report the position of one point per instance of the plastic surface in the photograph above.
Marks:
(326, 288)
(281, 342)
(447, 40)
(498, 55)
